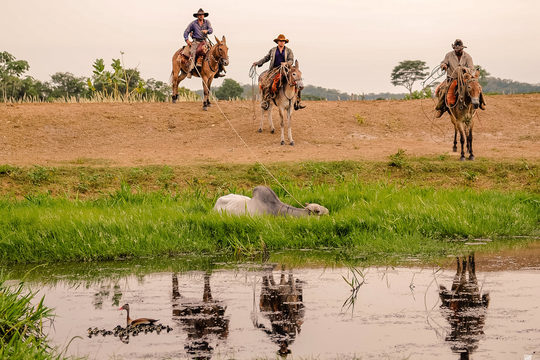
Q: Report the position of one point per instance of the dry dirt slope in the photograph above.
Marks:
(156, 133)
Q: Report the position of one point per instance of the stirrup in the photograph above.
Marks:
(298, 106)
(265, 105)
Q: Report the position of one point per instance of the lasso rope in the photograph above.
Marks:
(253, 76)
(246, 145)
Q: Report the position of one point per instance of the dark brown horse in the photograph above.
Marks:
(216, 56)
(463, 111)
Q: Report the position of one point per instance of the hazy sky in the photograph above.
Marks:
(347, 45)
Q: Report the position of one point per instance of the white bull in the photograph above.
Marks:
(264, 201)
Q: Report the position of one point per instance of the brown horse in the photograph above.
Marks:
(287, 93)
(463, 111)
(465, 308)
(216, 56)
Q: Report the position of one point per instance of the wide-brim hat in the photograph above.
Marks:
(458, 45)
(281, 37)
(200, 12)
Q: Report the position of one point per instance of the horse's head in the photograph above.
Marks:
(222, 51)
(294, 76)
(473, 88)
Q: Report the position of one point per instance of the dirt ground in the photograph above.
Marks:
(182, 134)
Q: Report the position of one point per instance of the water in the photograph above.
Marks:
(395, 313)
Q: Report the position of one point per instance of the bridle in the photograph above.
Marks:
(291, 81)
(211, 55)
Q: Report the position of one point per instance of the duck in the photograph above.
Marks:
(136, 322)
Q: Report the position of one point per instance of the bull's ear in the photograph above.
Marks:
(217, 40)
(296, 64)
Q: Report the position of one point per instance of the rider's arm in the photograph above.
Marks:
(188, 31)
(209, 27)
(289, 57)
(264, 59)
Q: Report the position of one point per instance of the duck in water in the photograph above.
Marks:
(136, 322)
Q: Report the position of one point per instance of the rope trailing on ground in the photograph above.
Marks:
(246, 145)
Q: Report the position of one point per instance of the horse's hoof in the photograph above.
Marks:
(471, 157)
(273, 131)
(205, 108)
(174, 101)
(260, 130)
(454, 149)
(283, 143)
(462, 158)
(292, 143)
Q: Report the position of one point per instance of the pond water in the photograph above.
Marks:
(488, 311)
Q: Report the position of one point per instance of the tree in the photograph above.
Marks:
(407, 72)
(68, 85)
(10, 71)
(230, 89)
(482, 79)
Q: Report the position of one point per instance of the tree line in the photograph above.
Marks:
(118, 82)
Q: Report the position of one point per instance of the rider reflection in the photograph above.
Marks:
(464, 308)
(282, 305)
(202, 321)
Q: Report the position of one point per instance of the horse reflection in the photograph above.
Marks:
(464, 308)
(202, 321)
(282, 305)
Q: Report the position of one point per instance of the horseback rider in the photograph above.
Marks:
(198, 29)
(277, 55)
(451, 62)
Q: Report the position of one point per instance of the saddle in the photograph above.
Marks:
(200, 53)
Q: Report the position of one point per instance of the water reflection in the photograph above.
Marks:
(464, 308)
(104, 293)
(282, 304)
(202, 321)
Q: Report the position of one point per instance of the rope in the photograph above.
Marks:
(435, 75)
(253, 76)
(245, 144)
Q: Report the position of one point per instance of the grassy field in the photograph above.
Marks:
(404, 207)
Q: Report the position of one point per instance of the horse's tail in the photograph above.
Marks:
(177, 67)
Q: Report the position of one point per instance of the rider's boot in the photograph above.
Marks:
(265, 103)
(482, 102)
(441, 107)
(191, 66)
(297, 104)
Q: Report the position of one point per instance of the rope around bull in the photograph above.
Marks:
(246, 145)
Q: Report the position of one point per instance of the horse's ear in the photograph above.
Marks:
(467, 76)
(296, 64)
(217, 40)
(223, 40)
(477, 73)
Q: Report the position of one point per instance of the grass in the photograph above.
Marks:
(91, 178)
(21, 323)
(367, 220)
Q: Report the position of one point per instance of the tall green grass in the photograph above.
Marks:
(21, 335)
(366, 220)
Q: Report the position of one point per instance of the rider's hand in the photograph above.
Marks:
(188, 42)
(205, 32)
(444, 67)
(255, 63)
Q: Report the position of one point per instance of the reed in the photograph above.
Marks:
(367, 220)
(21, 335)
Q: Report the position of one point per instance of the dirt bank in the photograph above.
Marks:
(176, 134)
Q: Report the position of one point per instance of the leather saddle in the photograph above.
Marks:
(202, 49)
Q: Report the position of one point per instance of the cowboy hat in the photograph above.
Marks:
(281, 37)
(200, 12)
(458, 44)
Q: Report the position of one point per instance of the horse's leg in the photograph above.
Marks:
(461, 140)
(205, 90)
(469, 142)
(454, 148)
(210, 79)
(289, 131)
(281, 115)
(272, 128)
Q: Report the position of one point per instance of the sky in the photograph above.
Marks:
(347, 45)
